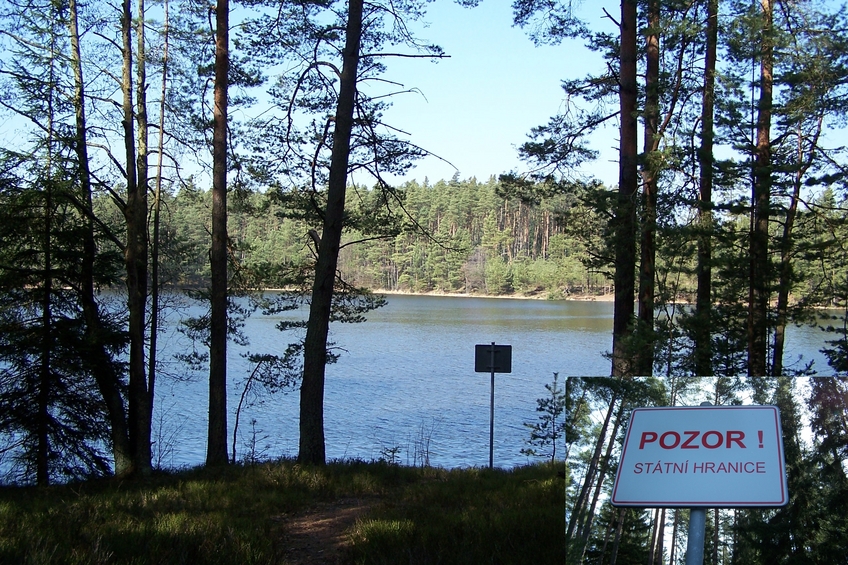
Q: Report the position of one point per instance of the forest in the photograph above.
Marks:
(466, 237)
(222, 150)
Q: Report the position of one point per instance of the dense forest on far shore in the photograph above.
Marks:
(493, 238)
(456, 236)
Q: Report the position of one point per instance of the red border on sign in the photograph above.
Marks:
(711, 503)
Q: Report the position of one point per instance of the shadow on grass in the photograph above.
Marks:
(468, 517)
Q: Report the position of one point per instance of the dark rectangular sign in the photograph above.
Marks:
(483, 358)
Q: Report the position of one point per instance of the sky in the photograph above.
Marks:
(476, 107)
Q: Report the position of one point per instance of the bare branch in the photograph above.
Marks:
(612, 19)
(406, 55)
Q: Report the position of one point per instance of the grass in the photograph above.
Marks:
(237, 515)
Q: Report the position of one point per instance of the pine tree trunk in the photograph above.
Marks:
(703, 301)
(760, 200)
(715, 536)
(585, 530)
(42, 458)
(108, 381)
(628, 182)
(735, 544)
(578, 510)
(157, 205)
(650, 172)
(786, 252)
(312, 448)
(622, 513)
(655, 521)
(216, 447)
(135, 257)
(673, 549)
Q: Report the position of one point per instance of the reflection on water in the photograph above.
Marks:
(408, 372)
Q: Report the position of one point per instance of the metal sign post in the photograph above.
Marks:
(494, 359)
(697, 535)
(697, 531)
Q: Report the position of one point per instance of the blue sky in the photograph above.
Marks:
(477, 106)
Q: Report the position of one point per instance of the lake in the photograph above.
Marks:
(405, 382)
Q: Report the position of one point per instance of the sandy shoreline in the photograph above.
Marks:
(541, 296)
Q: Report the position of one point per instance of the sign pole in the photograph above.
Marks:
(697, 531)
(492, 413)
(492, 359)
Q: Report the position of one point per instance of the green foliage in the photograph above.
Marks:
(51, 412)
(633, 540)
(546, 433)
(452, 237)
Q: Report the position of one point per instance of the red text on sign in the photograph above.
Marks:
(694, 439)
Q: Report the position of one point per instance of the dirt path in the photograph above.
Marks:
(317, 536)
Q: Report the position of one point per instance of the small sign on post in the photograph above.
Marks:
(492, 359)
(496, 358)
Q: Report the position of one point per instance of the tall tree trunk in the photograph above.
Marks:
(622, 513)
(760, 203)
(735, 544)
(105, 374)
(655, 526)
(650, 172)
(703, 301)
(157, 205)
(42, 456)
(715, 535)
(312, 448)
(135, 256)
(787, 248)
(673, 548)
(588, 480)
(216, 448)
(141, 107)
(628, 182)
(42, 459)
(585, 530)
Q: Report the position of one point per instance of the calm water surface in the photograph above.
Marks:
(410, 370)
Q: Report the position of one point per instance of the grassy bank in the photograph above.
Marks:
(243, 515)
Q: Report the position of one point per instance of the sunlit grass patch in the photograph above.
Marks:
(375, 540)
(374, 531)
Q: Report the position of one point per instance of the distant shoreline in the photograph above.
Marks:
(582, 297)
(543, 295)
(571, 297)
